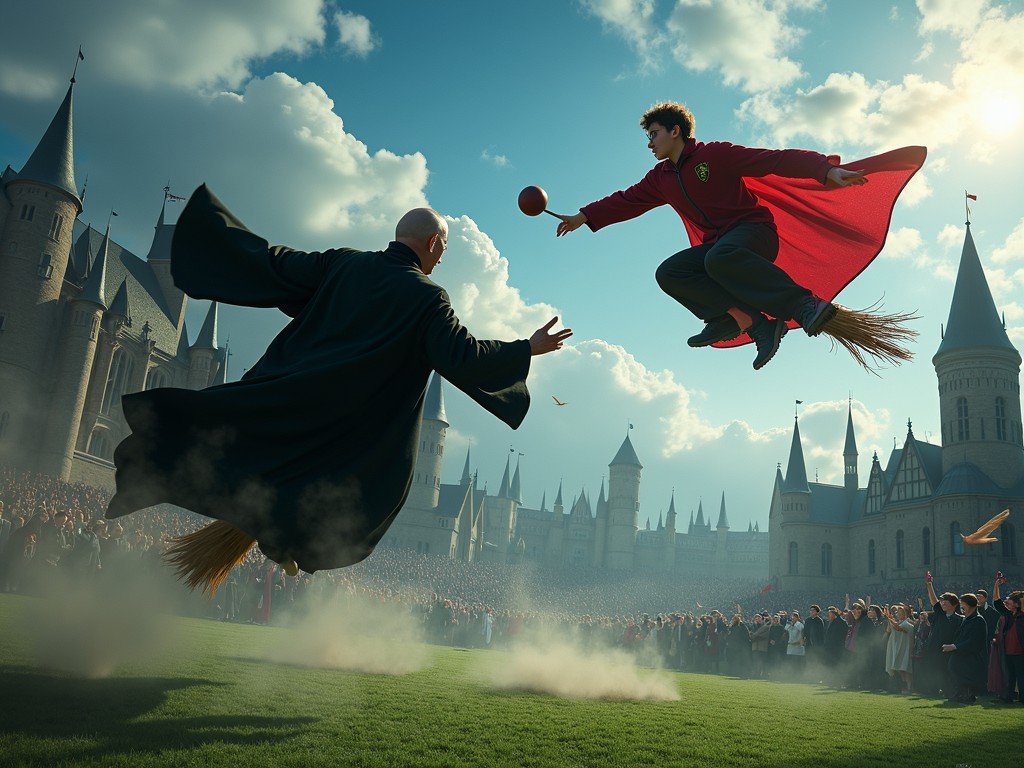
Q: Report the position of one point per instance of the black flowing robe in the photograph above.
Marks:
(312, 452)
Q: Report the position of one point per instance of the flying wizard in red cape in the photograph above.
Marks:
(775, 235)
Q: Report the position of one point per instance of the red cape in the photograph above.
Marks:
(829, 235)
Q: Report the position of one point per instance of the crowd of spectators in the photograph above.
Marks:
(962, 643)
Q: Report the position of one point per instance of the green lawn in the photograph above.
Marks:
(208, 696)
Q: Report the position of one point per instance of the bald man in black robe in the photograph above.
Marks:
(312, 452)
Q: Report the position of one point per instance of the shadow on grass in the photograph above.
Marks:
(91, 718)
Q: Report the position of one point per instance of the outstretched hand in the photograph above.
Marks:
(569, 223)
(844, 178)
(542, 342)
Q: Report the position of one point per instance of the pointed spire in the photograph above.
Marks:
(544, 502)
(796, 472)
(433, 405)
(700, 514)
(600, 497)
(626, 455)
(648, 527)
(558, 496)
(516, 491)
(689, 528)
(779, 482)
(160, 248)
(53, 161)
(670, 519)
(756, 529)
(182, 352)
(661, 525)
(207, 338)
(973, 319)
(850, 449)
(465, 469)
(750, 527)
(723, 521)
(120, 306)
(503, 490)
(94, 284)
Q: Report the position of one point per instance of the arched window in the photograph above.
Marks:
(99, 445)
(156, 379)
(926, 546)
(120, 374)
(1009, 538)
(1001, 419)
(901, 559)
(871, 557)
(794, 560)
(826, 559)
(963, 424)
(956, 544)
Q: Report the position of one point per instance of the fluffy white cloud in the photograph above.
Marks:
(958, 17)
(186, 44)
(634, 21)
(745, 40)
(354, 33)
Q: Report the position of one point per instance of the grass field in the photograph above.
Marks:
(208, 696)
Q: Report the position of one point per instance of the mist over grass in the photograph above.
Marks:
(211, 700)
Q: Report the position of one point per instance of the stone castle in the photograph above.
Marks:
(463, 522)
(910, 515)
(82, 321)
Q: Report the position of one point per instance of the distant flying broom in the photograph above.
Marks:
(205, 558)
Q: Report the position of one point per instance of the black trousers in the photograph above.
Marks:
(738, 270)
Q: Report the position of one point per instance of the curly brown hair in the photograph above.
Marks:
(668, 114)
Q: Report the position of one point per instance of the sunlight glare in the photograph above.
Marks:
(1000, 113)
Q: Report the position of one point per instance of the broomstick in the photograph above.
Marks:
(205, 558)
(867, 332)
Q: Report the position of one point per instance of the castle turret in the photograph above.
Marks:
(41, 205)
(426, 484)
(556, 533)
(850, 454)
(980, 414)
(159, 260)
(722, 535)
(796, 493)
(79, 336)
(600, 528)
(669, 555)
(202, 356)
(623, 506)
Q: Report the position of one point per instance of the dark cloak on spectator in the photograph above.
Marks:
(312, 452)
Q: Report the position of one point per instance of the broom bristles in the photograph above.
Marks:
(866, 332)
(205, 558)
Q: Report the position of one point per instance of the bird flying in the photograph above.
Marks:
(981, 536)
(557, 401)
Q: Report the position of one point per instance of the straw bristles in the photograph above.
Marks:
(865, 332)
(205, 558)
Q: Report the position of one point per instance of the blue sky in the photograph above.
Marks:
(319, 123)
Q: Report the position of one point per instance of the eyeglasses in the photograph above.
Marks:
(652, 134)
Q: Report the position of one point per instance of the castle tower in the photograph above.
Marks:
(623, 506)
(722, 530)
(159, 260)
(426, 485)
(669, 556)
(79, 336)
(796, 493)
(202, 356)
(978, 372)
(850, 454)
(600, 528)
(556, 533)
(40, 207)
